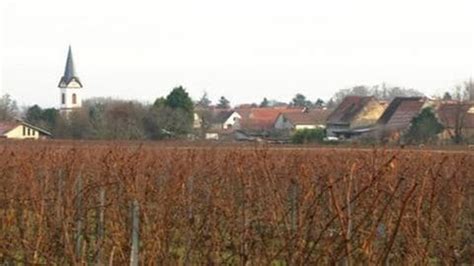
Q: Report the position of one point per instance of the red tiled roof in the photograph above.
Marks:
(262, 118)
(7, 126)
(401, 112)
(348, 109)
(449, 112)
(312, 117)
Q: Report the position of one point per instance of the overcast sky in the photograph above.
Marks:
(244, 49)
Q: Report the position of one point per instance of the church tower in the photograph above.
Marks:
(70, 87)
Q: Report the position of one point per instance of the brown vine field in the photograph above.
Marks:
(116, 204)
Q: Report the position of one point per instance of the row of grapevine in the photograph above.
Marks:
(128, 204)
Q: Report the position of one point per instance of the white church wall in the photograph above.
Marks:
(68, 94)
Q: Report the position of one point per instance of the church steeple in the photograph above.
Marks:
(70, 87)
(69, 72)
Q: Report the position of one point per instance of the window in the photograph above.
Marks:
(24, 131)
(74, 98)
(63, 98)
(29, 131)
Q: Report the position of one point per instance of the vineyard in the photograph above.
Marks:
(118, 204)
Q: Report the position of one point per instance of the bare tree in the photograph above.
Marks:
(8, 108)
(453, 114)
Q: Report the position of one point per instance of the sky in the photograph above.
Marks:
(244, 50)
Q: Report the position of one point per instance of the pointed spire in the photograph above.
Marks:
(69, 71)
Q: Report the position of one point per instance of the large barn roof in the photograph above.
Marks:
(401, 112)
(348, 109)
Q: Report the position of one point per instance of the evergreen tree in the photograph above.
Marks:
(34, 114)
(204, 102)
(447, 96)
(424, 128)
(45, 118)
(223, 103)
(159, 102)
(170, 116)
(264, 103)
(179, 99)
(300, 101)
(319, 103)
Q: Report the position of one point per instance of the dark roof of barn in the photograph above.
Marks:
(401, 111)
(348, 109)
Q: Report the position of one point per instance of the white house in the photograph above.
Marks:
(22, 130)
(306, 119)
(226, 120)
(232, 120)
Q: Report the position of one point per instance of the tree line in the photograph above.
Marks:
(171, 116)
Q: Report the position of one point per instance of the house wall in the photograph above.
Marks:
(232, 121)
(368, 116)
(17, 133)
(300, 127)
(197, 123)
(282, 123)
(212, 136)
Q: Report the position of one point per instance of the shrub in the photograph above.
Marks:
(306, 136)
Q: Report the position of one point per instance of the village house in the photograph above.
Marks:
(262, 119)
(22, 130)
(256, 121)
(306, 119)
(354, 116)
(397, 117)
(218, 123)
(225, 120)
